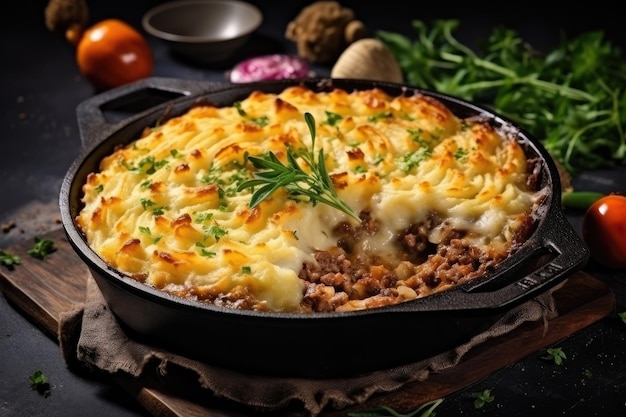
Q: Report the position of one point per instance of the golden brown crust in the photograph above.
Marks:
(441, 201)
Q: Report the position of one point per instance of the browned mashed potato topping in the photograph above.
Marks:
(441, 201)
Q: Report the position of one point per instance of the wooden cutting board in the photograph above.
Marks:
(43, 289)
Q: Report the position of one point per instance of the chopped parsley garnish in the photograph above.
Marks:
(203, 217)
(460, 154)
(9, 260)
(413, 159)
(146, 231)
(417, 135)
(227, 183)
(378, 160)
(39, 382)
(259, 121)
(204, 251)
(42, 248)
(216, 232)
(148, 165)
(383, 115)
(483, 398)
(146, 203)
(332, 118)
(555, 354)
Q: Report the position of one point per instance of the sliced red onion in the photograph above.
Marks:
(270, 67)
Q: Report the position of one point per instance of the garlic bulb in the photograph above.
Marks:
(367, 59)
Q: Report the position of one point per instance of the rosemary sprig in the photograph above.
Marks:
(316, 185)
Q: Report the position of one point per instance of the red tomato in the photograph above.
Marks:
(112, 53)
(604, 230)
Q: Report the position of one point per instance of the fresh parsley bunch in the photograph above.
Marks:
(573, 98)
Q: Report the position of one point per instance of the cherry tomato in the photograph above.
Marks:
(112, 53)
(604, 230)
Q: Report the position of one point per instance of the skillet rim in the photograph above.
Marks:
(192, 91)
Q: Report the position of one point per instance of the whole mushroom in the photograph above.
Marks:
(323, 29)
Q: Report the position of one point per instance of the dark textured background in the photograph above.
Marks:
(41, 87)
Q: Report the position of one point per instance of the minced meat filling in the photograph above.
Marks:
(347, 277)
(339, 276)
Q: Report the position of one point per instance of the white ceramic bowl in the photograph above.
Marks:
(203, 30)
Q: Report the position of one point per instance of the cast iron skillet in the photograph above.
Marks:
(321, 344)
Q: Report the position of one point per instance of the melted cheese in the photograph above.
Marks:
(165, 209)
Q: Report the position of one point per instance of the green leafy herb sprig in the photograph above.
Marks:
(556, 355)
(316, 185)
(40, 383)
(571, 98)
(9, 260)
(483, 398)
(42, 248)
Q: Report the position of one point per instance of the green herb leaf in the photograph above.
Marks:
(571, 98)
(146, 203)
(146, 231)
(42, 248)
(204, 251)
(316, 186)
(216, 232)
(332, 118)
(9, 260)
(260, 121)
(148, 165)
(203, 217)
(555, 354)
(622, 316)
(383, 115)
(483, 398)
(39, 382)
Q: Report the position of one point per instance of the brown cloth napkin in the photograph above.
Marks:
(91, 335)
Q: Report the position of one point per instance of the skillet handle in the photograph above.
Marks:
(557, 238)
(103, 113)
